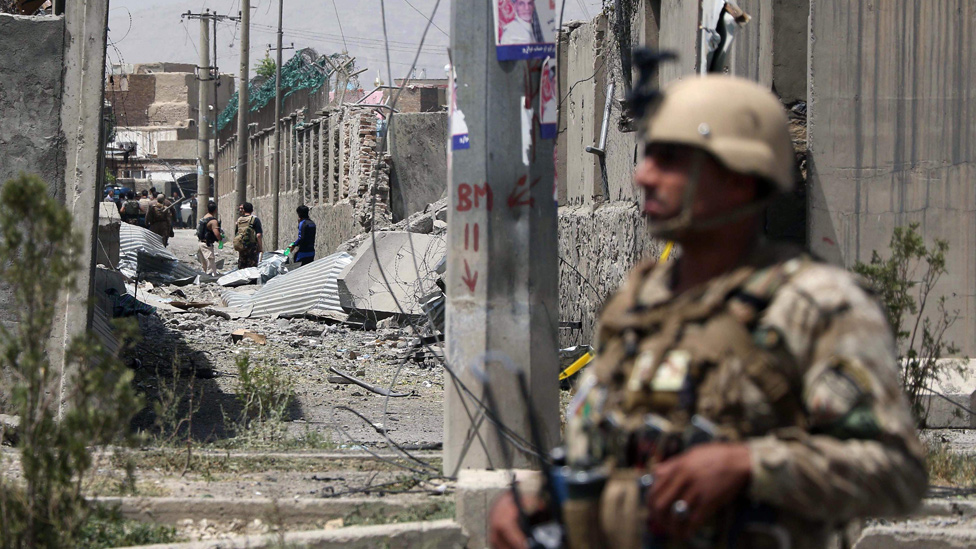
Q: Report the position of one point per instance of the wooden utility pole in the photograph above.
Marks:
(242, 103)
(502, 277)
(203, 124)
(276, 159)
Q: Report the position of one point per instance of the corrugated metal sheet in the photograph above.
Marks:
(141, 249)
(313, 286)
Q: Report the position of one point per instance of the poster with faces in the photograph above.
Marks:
(548, 100)
(525, 29)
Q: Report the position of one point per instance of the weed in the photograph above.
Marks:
(434, 510)
(264, 393)
(904, 282)
(950, 468)
(106, 528)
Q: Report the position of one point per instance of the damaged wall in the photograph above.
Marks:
(891, 133)
(327, 164)
(418, 149)
(51, 96)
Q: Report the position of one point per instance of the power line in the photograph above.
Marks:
(422, 14)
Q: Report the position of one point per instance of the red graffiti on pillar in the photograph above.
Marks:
(469, 281)
(472, 196)
(467, 235)
(520, 193)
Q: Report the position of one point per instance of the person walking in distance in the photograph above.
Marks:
(159, 219)
(305, 243)
(208, 234)
(248, 238)
(745, 394)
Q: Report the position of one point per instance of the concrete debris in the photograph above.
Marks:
(313, 287)
(423, 225)
(367, 386)
(190, 304)
(407, 261)
(238, 335)
(271, 265)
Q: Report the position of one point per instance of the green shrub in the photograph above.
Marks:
(904, 283)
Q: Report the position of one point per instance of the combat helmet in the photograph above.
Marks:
(739, 123)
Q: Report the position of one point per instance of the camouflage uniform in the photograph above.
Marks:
(789, 355)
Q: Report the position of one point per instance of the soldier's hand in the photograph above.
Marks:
(504, 530)
(706, 478)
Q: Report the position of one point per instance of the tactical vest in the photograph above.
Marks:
(702, 353)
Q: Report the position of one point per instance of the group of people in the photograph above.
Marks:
(150, 209)
(249, 238)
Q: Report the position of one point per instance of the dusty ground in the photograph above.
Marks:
(305, 349)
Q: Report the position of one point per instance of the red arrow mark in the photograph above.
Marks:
(470, 281)
(519, 195)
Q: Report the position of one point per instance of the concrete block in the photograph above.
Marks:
(955, 391)
(401, 256)
(891, 137)
(477, 491)
(413, 535)
(916, 537)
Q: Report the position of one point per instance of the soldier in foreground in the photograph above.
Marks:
(744, 395)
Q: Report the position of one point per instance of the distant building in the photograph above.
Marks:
(155, 107)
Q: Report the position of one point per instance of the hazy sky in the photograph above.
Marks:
(143, 31)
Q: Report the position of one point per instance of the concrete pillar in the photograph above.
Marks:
(323, 128)
(502, 277)
(86, 22)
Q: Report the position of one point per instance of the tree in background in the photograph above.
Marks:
(265, 67)
(60, 419)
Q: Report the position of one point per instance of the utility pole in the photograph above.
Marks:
(502, 263)
(216, 114)
(242, 103)
(276, 159)
(203, 125)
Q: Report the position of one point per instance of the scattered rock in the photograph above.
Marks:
(422, 225)
(387, 323)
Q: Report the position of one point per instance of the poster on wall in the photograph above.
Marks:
(525, 29)
(547, 100)
(459, 129)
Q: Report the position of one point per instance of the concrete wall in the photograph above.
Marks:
(892, 138)
(30, 99)
(790, 19)
(418, 147)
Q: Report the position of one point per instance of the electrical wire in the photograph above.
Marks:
(407, 2)
(506, 433)
(339, 22)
